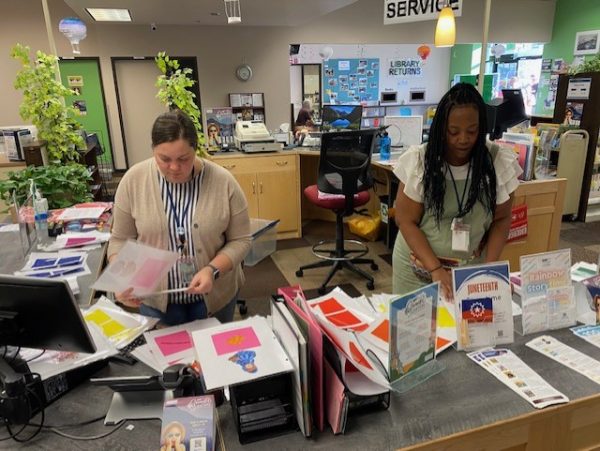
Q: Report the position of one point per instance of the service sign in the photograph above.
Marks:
(404, 11)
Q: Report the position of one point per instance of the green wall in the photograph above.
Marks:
(570, 17)
(460, 59)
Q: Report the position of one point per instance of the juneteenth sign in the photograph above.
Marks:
(407, 67)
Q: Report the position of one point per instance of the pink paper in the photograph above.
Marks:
(235, 340)
(149, 273)
(74, 242)
(174, 343)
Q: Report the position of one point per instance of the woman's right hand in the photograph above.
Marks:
(443, 276)
(126, 298)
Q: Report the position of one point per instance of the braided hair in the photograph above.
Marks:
(483, 175)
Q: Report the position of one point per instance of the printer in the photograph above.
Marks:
(253, 136)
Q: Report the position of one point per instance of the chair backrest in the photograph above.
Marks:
(345, 162)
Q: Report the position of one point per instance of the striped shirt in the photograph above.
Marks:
(180, 206)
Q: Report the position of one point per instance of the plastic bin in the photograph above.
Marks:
(264, 240)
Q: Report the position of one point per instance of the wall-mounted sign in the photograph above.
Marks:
(406, 67)
(404, 11)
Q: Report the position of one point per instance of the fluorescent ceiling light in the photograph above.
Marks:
(109, 14)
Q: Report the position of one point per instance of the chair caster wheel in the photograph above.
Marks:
(243, 309)
(321, 290)
(299, 273)
(371, 285)
(374, 266)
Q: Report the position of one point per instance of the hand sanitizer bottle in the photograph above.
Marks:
(40, 208)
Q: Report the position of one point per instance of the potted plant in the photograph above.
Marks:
(173, 84)
(43, 104)
(62, 185)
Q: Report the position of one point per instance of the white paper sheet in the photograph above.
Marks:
(72, 214)
(239, 352)
(137, 266)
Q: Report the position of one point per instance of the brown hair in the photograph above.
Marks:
(174, 125)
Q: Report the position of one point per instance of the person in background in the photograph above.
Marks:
(454, 185)
(304, 122)
(179, 202)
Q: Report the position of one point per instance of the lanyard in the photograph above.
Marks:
(460, 200)
(180, 229)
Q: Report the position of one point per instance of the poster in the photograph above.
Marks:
(483, 301)
(75, 80)
(573, 113)
(351, 81)
(547, 296)
(413, 330)
(220, 124)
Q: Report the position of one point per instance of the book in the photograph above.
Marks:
(189, 424)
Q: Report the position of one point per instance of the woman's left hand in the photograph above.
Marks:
(202, 283)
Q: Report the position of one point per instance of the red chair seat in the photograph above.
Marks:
(312, 194)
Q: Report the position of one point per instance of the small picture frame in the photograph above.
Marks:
(587, 42)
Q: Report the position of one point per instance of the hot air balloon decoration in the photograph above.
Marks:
(423, 51)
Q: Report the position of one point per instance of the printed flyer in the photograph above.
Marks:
(547, 295)
(484, 305)
(413, 330)
(518, 376)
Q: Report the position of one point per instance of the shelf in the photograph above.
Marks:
(246, 107)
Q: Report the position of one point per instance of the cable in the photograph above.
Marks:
(93, 437)
(72, 425)
(36, 357)
(15, 436)
(11, 436)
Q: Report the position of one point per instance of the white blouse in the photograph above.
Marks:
(410, 167)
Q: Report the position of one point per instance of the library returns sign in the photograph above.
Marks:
(404, 11)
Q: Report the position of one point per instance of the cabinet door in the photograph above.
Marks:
(278, 198)
(249, 185)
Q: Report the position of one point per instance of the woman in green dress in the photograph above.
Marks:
(455, 196)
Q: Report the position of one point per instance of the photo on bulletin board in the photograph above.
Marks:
(546, 64)
(351, 80)
(75, 80)
(80, 106)
(587, 42)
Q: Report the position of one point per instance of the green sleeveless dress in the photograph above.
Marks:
(440, 238)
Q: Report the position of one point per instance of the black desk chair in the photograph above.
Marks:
(344, 169)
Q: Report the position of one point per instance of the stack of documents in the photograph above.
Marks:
(55, 265)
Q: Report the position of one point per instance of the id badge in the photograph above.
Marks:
(187, 269)
(460, 235)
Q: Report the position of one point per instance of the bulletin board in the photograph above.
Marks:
(350, 80)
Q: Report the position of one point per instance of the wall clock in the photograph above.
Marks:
(243, 72)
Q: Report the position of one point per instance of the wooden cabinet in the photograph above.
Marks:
(272, 188)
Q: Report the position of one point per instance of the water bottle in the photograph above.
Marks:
(384, 147)
(40, 209)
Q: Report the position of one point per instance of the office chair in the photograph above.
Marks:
(344, 168)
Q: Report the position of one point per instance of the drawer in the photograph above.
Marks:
(257, 164)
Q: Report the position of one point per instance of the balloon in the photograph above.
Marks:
(498, 50)
(75, 30)
(424, 51)
(326, 53)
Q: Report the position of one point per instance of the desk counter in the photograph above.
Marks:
(462, 408)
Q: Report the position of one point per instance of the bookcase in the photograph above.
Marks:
(248, 105)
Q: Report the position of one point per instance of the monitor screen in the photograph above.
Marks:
(341, 117)
(43, 314)
(505, 112)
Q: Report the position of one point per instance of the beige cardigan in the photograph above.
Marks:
(221, 224)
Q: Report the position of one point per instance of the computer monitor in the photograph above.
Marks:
(41, 313)
(341, 117)
(505, 112)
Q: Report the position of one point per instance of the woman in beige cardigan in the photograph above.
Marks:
(189, 205)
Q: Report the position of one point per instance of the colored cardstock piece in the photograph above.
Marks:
(478, 310)
(74, 242)
(330, 306)
(444, 317)
(70, 261)
(235, 340)
(173, 343)
(44, 263)
(146, 276)
(344, 319)
(383, 331)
